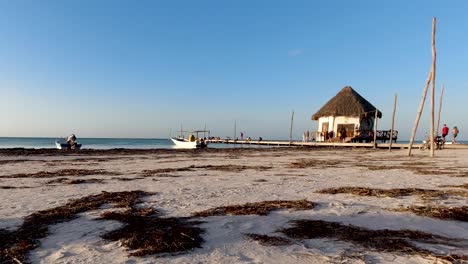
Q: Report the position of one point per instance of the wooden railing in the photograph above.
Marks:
(368, 136)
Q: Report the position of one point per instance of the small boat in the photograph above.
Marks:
(68, 143)
(192, 142)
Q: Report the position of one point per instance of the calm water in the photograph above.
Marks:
(109, 143)
(100, 143)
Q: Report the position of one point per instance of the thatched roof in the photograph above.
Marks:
(347, 103)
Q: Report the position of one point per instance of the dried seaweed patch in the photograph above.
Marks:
(15, 245)
(315, 163)
(364, 191)
(3, 162)
(146, 233)
(229, 167)
(74, 181)
(260, 180)
(269, 240)
(440, 212)
(426, 169)
(61, 173)
(149, 173)
(233, 168)
(259, 208)
(126, 178)
(14, 187)
(393, 241)
(464, 186)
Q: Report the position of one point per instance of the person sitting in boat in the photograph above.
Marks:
(71, 141)
(202, 142)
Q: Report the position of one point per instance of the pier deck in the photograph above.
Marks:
(326, 144)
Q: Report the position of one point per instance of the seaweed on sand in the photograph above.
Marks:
(315, 163)
(440, 212)
(228, 167)
(364, 191)
(146, 233)
(384, 240)
(269, 240)
(258, 208)
(74, 181)
(15, 245)
(61, 173)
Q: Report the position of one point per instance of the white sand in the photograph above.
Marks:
(79, 241)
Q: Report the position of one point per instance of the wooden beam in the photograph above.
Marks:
(440, 109)
(434, 57)
(418, 115)
(393, 122)
(375, 127)
(290, 130)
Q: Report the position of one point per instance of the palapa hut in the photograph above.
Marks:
(347, 111)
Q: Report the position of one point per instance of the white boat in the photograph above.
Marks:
(184, 143)
(193, 142)
(63, 143)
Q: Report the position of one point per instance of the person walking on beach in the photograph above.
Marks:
(445, 131)
(455, 132)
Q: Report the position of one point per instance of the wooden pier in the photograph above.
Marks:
(325, 144)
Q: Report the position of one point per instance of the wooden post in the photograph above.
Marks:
(375, 128)
(418, 115)
(440, 109)
(393, 122)
(333, 129)
(290, 130)
(434, 57)
(235, 133)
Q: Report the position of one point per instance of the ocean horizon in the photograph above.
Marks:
(111, 143)
(99, 143)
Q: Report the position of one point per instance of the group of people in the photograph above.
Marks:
(455, 131)
(306, 136)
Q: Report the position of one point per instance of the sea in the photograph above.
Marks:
(111, 143)
(101, 143)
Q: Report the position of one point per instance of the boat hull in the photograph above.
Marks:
(183, 143)
(63, 145)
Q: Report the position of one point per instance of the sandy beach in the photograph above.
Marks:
(279, 205)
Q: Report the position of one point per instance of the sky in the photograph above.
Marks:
(113, 68)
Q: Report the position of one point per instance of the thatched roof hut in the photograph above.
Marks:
(347, 103)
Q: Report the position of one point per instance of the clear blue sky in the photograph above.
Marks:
(114, 68)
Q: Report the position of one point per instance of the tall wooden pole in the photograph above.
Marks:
(375, 127)
(418, 115)
(434, 57)
(235, 132)
(421, 105)
(393, 122)
(440, 109)
(290, 130)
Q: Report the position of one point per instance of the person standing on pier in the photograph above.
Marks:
(455, 132)
(445, 131)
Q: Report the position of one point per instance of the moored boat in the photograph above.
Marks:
(192, 142)
(68, 143)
